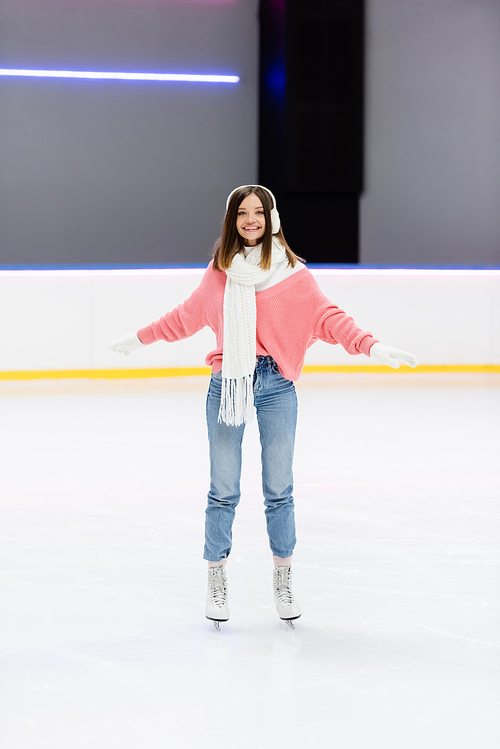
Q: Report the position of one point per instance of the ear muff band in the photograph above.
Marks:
(275, 217)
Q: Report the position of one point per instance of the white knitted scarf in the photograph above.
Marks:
(240, 332)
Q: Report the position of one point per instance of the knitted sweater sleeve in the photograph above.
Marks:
(183, 321)
(333, 326)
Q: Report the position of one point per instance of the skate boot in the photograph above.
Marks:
(217, 608)
(286, 605)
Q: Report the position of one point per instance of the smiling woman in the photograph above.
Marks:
(265, 309)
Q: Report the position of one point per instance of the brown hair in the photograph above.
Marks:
(230, 243)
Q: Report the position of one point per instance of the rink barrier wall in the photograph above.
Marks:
(59, 323)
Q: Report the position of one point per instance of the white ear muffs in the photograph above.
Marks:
(275, 217)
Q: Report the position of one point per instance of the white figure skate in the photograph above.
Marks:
(286, 605)
(217, 609)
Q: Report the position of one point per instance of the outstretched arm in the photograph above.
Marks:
(182, 322)
(334, 326)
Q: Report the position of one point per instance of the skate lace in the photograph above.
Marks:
(218, 588)
(283, 583)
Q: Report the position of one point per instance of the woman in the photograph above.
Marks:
(265, 309)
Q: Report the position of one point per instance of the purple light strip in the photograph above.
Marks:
(97, 272)
(405, 272)
(161, 77)
(130, 272)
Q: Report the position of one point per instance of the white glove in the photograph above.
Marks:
(393, 357)
(127, 344)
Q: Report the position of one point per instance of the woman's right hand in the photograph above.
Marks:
(393, 357)
(127, 344)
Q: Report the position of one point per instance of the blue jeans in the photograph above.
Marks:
(276, 404)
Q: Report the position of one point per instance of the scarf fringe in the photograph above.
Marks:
(236, 402)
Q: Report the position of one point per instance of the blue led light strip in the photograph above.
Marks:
(186, 77)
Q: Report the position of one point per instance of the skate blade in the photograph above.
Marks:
(289, 622)
(217, 626)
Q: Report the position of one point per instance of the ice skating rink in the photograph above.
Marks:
(104, 642)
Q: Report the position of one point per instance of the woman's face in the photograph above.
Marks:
(250, 221)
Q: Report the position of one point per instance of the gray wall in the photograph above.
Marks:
(432, 133)
(123, 172)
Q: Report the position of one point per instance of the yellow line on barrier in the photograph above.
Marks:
(119, 374)
(103, 374)
(371, 368)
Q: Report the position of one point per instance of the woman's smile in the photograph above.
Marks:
(250, 220)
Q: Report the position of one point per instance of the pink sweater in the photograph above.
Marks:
(291, 316)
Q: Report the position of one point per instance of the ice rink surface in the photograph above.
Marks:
(104, 642)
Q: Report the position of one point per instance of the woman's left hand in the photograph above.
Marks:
(393, 357)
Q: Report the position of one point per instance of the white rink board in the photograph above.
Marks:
(66, 319)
